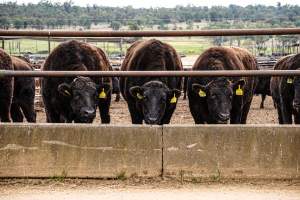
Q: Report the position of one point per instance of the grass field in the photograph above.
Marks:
(22, 46)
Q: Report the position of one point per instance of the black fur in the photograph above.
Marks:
(24, 93)
(6, 87)
(286, 96)
(148, 98)
(75, 98)
(221, 103)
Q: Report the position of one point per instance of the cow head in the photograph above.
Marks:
(218, 95)
(154, 96)
(82, 95)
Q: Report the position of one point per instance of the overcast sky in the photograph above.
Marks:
(167, 3)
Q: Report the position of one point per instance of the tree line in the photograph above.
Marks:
(46, 14)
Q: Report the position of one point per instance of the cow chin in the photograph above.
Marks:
(152, 122)
(84, 120)
(222, 122)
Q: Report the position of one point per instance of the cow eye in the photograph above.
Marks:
(213, 96)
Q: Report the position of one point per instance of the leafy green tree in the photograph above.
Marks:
(115, 25)
(18, 24)
(133, 26)
(4, 23)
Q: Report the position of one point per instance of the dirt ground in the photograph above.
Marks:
(137, 189)
(120, 115)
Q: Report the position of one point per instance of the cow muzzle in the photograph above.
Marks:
(87, 115)
(296, 107)
(152, 120)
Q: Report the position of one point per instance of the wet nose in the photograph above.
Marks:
(296, 106)
(88, 112)
(152, 120)
(224, 116)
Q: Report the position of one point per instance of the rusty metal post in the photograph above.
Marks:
(218, 73)
(218, 32)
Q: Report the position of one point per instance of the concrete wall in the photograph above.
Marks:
(84, 151)
(47, 150)
(232, 151)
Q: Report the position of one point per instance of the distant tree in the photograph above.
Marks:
(115, 25)
(68, 6)
(4, 23)
(133, 26)
(162, 26)
(190, 24)
(18, 24)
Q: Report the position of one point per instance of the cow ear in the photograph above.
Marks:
(174, 94)
(103, 90)
(238, 83)
(199, 89)
(136, 92)
(65, 89)
(238, 86)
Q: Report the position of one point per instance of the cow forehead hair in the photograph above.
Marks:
(81, 82)
(155, 84)
(220, 82)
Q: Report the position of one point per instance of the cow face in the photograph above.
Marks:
(153, 98)
(296, 83)
(82, 95)
(218, 95)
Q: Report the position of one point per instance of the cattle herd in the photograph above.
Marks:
(151, 100)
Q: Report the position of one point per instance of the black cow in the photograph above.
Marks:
(150, 99)
(285, 91)
(263, 88)
(6, 87)
(75, 98)
(24, 93)
(116, 88)
(218, 100)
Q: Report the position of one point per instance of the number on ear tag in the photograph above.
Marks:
(174, 99)
(239, 91)
(290, 81)
(102, 94)
(139, 96)
(202, 93)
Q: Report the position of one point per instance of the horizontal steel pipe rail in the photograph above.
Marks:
(224, 73)
(216, 32)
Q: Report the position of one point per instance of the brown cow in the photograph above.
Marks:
(24, 93)
(220, 99)
(6, 87)
(285, 91)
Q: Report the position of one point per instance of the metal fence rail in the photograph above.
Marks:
(224, 73)
(216, 32)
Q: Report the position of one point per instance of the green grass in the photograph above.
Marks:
(185, 46)
(190, 47)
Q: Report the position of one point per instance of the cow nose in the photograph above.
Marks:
(224, 116)
(152, 120)
(89, 112)
(296, 106)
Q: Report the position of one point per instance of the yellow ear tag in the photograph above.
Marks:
(290, 81)
(102, 94)
(67, 92)
(174, 99)
(139, 96)
(239, 91)
(202, 93)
